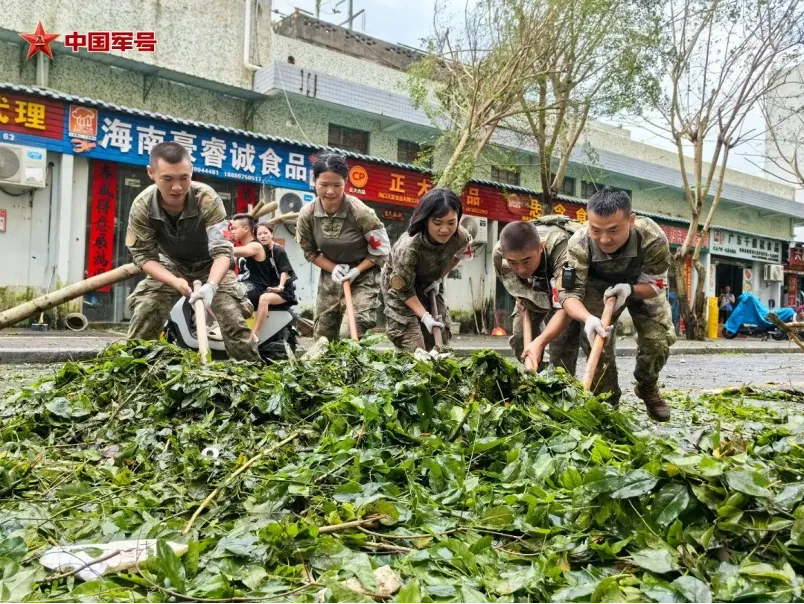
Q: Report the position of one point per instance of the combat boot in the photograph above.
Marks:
(654, 403)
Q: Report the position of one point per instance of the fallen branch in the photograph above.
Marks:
(234, 475)
(336, 528)
(405, 537)
(387, 547)
(785, 329)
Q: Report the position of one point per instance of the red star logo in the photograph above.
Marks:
(374, 243)
(39, 41)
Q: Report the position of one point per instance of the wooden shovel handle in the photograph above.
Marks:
(597, 347)
(439, 341)
(350, 310)
(201, 325)
(527, 331)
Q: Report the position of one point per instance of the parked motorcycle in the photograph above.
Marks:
(749, 318)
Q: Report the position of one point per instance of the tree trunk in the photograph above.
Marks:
(700, 306)
(683, 296)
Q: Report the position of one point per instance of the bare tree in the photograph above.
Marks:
(719, 57)
(599, 59)
(784, 115)
(472, 79)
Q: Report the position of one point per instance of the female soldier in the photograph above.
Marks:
(264, 268)
(345, 239)
(433, 245)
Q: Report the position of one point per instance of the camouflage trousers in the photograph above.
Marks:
(152, 300)
(563, 350)
(410, 334)
(330, 307)
(655, 335)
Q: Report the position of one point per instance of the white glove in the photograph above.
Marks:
(205, 293)
(594, 327)
(621, 291)
(351, 275)
(429, 322)
(435, 285)
(339, 272)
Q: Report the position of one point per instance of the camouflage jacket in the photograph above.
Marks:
(351, 235)
(414, 263)
(540, 292)
(196, 238)
(645, 258)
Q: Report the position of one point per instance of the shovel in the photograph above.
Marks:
(350, 310)
(439, 342)
(201, 325)
(527, 332)
(597, 347)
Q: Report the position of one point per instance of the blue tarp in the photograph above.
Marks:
(751, 311)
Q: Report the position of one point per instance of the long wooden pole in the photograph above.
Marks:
(439, 341)
(350, 310)
(60, 296)
(201, 325)
(597, 347)
(527, 331)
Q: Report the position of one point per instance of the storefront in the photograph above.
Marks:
(748, 262)
(794, 277)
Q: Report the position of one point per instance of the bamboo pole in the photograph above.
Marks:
(439, 341)
(527, 331)
(60, 296)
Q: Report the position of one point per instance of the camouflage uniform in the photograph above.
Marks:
(645, 258)
(540, 297)
(351, 235)
(187, 249)
(413, 265)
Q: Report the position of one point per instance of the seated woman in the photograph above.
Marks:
(263, 267)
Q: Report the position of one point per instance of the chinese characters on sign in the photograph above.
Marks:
(738, 245)
(797, 258)
(22, 115)
(105, 41)
(677, 236)
(100, 254)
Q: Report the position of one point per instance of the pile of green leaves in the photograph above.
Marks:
(485, 484)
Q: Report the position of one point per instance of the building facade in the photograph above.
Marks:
(288, 90)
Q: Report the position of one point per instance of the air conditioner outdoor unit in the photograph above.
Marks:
(22, 166)
(478, 228)
(773, 272)
(290, 202)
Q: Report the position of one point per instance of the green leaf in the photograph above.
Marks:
(170, 566)
(634, 484)
(13, 548)
(749, 482)
(410, 592)
(766, 571)
(469, 594)
(360, 565)
(655, 560)
(671, 500)
(693, 589)
(500, 516)
(17, 587)
(601, 480)
(569, 594)
(790, 496)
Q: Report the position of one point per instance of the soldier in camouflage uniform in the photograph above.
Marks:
(433, 245)
(175, 235)
(528, 259)
(344, 238)
(617, 255)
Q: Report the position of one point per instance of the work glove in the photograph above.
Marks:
(621, 291)
(594, 327)
(351, 275)
(205, 293)
(435, 285)
(339, 272)
(429, 322)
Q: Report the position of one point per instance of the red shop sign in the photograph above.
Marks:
(101, 219)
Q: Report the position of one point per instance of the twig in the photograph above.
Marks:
(336, 528)
(387, 547)
(234, 475)
(467, 410)
(268, 598)
(408, 537)
(329, 473)
(80, 568)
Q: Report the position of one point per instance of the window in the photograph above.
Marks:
(588, 189)
(506, 176)
(567, 187)
(348, 139)
(407, 152)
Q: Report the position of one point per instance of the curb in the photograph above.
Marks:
(21, 356)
